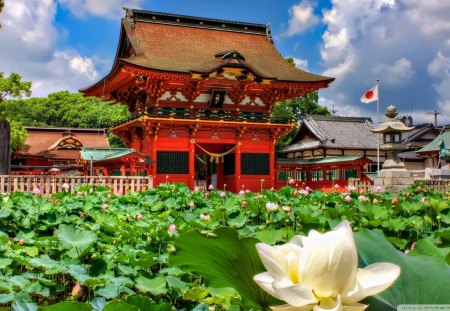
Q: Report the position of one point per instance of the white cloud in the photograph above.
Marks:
(399, 72)
(104, 8)
(302, 18)
(404, 43)
(30, 47)
(300, 63)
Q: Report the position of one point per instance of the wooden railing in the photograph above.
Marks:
(48, 185)
(437, 184)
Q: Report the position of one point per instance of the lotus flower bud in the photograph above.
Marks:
(37, 191)
(172, 228)
(394, 200)
(139, 217)
(76, 291)
(65, 186)
(348, 198)
(22, 242)
(105, 206)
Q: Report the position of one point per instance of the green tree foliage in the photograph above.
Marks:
(13, 87)
(65, 109)
(297, 109)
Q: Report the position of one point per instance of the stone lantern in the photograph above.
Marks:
(393, 175)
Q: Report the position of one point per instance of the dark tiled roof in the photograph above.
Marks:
(335, 132)
(418, 130)
(185, 44)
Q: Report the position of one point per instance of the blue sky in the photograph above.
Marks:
(69, 44)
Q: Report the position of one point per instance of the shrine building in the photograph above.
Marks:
(201, 92)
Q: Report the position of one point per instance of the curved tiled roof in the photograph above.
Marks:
(335, 132)
(185, 44)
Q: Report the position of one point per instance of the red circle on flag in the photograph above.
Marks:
(369, 94)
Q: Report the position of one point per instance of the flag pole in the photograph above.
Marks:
(378, 117)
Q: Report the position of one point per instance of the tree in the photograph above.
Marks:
(11, 136)
(65, 109)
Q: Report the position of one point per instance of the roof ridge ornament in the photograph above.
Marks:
(231, 55)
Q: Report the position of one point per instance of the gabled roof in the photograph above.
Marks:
(109, 154)
(41, 141)
(434, 146)
(334, 132)
(186, 44)
(418, 131)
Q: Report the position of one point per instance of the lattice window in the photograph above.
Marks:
(284, 175)
(255, 164)
(301, 175)
(333, 174)
(171, 162)
(229, 167)
(350, 174)
(316, 175)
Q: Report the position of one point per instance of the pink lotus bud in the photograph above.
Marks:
(223, 194)
(192, 204)
(271, 207)
(361, 191)
(76, 291)
(413, 245)
(394, 200)
(248, 191)
(108, 196)
(348, 198)
(375, 201)
(336, 186)
(22, 242)
(211, 187)
(37, 191)
(286, 208)
(362, 198)
(172, 228)
(206, 194)
(244, 203)
(308, 189)
(139, 217)
(242, 192)
(423, 201)
(272, 189)
(406, 251)
(378, 189)
(65, 186)
(291, 181)
(105, 206)
(205, 217)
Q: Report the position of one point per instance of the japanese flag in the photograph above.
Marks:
(371, 95)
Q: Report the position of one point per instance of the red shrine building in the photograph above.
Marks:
(201, 92)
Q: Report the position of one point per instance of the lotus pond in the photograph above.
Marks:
(171, 248)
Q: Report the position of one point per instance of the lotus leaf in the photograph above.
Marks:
(67, 306)
(76, 241)
(423, 279)
(156, 286)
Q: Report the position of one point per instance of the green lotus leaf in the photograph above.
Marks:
(5, 298)
(5, 262)
(98, 266)
(223, 260)
(67, 306)
(176, 283)
(51, 266)
(423, 279)
(112, 290)
(24, 306)
(38, 289)
(118, 305)
(144, 303)
(156, 286)
(271, 236)
(98, 303)
(5, 212)
(78, 242)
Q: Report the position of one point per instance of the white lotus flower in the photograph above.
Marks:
(320, 272)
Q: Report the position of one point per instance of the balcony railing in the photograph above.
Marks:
(180, 113)
(49, 184)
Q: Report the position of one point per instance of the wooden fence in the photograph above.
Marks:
(48, 185)
(437, 184)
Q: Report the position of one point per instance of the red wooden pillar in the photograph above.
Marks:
(122, 170)
(153, 154)
(132, 169)
(191, 164)
(237, 166)
(272, 165)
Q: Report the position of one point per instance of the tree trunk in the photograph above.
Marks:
(5, 133)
